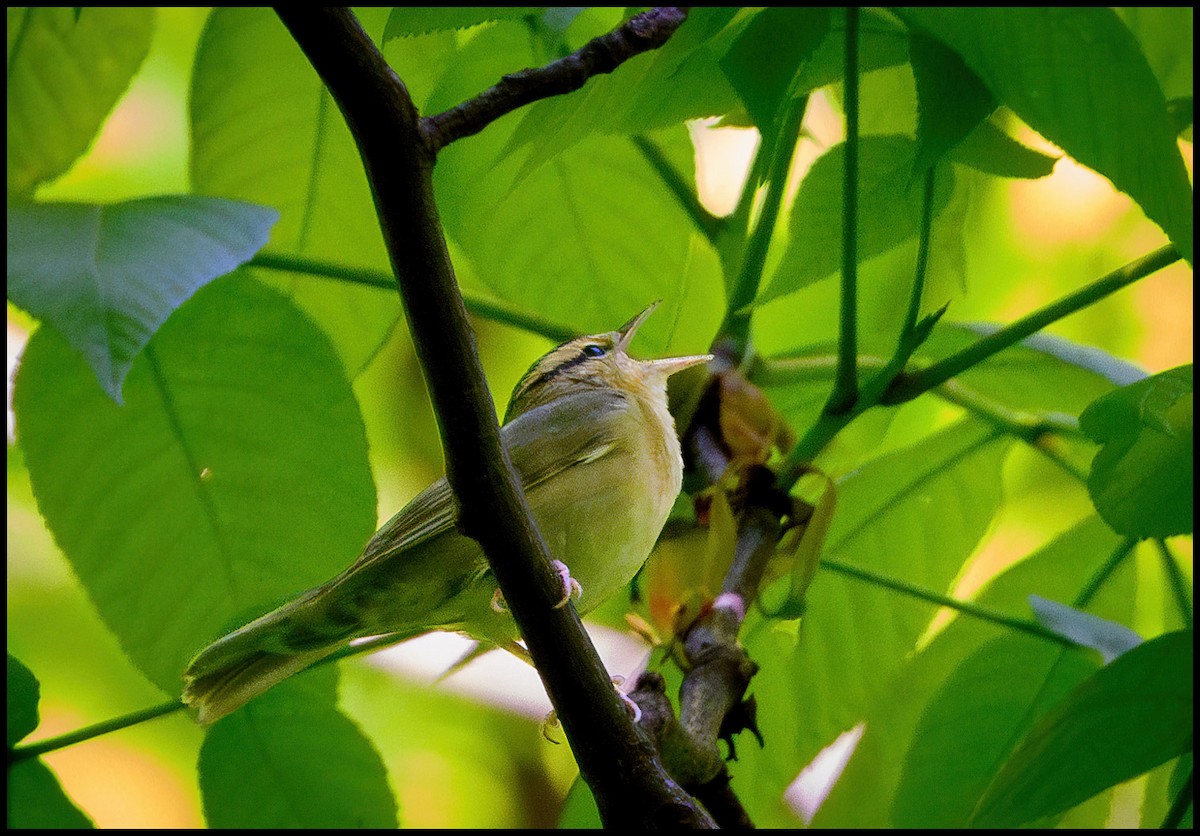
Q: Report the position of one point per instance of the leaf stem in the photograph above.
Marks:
(705, 221)
(1122, 551)
(908, 386)
(754, 256)
(845, 383)
(480, 306)
(50, 744)
(965, 607)
(1183, 598)
(910, 338)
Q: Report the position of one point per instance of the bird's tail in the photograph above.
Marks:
(237, 668)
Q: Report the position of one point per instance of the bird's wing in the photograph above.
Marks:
(570, 431)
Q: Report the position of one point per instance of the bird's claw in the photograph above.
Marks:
(570, 586)
(570, 589)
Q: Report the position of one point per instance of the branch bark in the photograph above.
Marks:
(641, 33)
(620, 766)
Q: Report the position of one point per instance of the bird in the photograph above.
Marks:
(589, 434)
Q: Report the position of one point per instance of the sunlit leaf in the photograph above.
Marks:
(1129, 717)
(65, 73)
(915, 515)
(265, 129)
(970, 725)
(869, 787)
(1141, 480)
(235, 473)
(1078, 77)
(290, 759)
(763, 61)
(890, 202)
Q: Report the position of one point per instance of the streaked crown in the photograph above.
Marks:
(596, 361)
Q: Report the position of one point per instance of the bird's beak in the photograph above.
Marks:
(630, 328)
(667, 365)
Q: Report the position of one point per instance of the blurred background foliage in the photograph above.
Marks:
(1024, 243)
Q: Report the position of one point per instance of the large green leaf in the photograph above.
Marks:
(890, 203)
(235, 473)
(1129, 717)
(764, 59)
(868, 788)
(108, 276)
(66, 70)
(915, 515)
(992, 151)
(1077, 76)
(290, 759)
(1142, 478)
(609, 240)
(265, 129)
(679, 80)
(967, 728)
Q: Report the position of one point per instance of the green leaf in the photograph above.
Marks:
(36, 800)
(1078, 77)
(657, 89)
(992, 151)
(915, 515)
(236, 472)
(970, 725)
(1141, 479)
(881, 43)
(865, 795)
(579, 810)
(1165, 35)
(106, 277)
(64, 76)
(22, 701)
(885, 184)
(265, 130)
(1108, 638)
(404, 21)
(763, 61)
(1129, 717)
(290, 759)
(952, 101)
(609, 241)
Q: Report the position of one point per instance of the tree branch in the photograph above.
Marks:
(905, 387)
(621, 767)
(639, 34)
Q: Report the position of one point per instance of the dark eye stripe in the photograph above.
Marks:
(589, 352)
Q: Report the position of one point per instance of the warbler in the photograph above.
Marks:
(588, 431)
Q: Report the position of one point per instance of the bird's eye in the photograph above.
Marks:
(594, 350)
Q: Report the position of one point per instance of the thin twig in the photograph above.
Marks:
(705, 221)
(845, 384)
(1183, 596)
(908, 386)
(641, 33)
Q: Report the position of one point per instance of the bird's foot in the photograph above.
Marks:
(570, 586)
